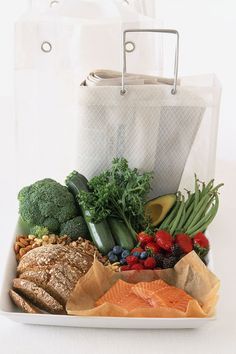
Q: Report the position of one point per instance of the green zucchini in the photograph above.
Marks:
(121, 233)
(100, 232)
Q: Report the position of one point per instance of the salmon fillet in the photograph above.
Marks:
(121, 294)
(152, 294)
(158, 293)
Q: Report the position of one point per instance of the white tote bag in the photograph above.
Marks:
(55, 49)
(168, 128)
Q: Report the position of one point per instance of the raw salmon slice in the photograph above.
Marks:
(146, 290)
(158, 293)
(121, 294)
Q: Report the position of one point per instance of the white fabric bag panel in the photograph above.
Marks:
(83, 35)
(172, 135)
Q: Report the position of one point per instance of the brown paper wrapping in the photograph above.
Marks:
(189, 274)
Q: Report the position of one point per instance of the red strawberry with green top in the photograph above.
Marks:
(201, 240)
(137, 266)
(184, 242)
(131, 260)
(164, 240)
(144, 238)
(152, 247)
(150, 263)
(201, 244)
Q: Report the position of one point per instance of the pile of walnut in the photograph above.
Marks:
(24, 244)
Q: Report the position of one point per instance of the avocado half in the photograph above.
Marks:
(157, 209)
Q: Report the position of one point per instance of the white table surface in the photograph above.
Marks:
(218, 337)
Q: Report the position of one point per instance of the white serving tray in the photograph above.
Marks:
(8, 309)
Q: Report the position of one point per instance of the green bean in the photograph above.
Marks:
(202, 224)
(180, 224)
(196, 198)
(171, 216)
(196, 210)
(198, 216)
(178, 216)
(189, 200)
(206, 189)
(189, 210)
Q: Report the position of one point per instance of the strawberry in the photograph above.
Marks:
(144, 238)
(152, 247)
(137, 266)
(184, 242)
(131, 260)
(137, 249)
(125, 267)
(150, 263)
(164, 240)
(201, 240)
(201, 244)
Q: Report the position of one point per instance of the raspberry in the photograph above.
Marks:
(176, 250)
(137, 266)
(159, 257)
(131, 260)
(150, 263)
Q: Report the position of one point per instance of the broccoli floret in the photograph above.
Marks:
(74, 228)
(46, 203)
(39, 231)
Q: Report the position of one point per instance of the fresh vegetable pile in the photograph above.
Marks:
(111, 210)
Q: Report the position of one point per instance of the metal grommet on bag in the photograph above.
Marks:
(54, 3)
(129, 46)
(123, 92)
(46, 47)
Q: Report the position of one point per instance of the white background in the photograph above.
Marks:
(208, 32)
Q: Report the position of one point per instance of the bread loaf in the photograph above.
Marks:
(45, 257)
(48, 274)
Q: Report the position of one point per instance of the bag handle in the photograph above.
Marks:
(124, 49)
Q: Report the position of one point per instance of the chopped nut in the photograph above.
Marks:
(45, 238)
(16, 248)
(23, 241)
(22, 252)
(31, 237)
(28, 248)
(21, 245)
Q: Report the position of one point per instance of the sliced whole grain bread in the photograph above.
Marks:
(58, 281)
(22, 304)
(37, 295)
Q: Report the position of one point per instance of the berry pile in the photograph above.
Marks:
(159, 251)
(118, 254)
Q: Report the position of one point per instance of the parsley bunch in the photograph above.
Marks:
(118, 192)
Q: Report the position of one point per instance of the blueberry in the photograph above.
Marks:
(110, 253)
(123, 261)
(117, 250)
(136, 254)
(113, 258)
(143, 255)
(125, 253)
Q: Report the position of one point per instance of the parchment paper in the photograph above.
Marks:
(189, 274)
